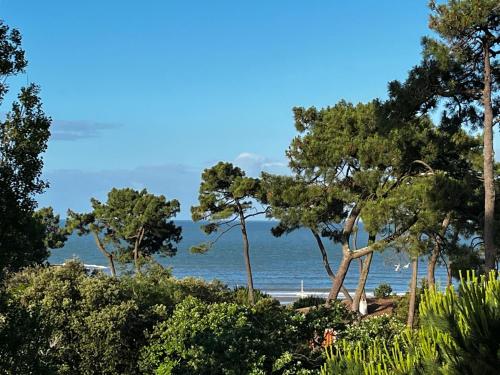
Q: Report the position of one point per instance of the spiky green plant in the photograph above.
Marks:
(458, 335)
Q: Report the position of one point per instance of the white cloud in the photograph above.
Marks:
(254, 164)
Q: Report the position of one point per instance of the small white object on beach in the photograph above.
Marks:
(363, 306)
(302, 293)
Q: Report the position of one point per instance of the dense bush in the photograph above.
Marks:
(230, 338)
(240, 295)
(308, 301)
(81, 323)
(22, 340)
(224, 338)
(384, 290)
(88, 325)
(65, 320)
(383, 327)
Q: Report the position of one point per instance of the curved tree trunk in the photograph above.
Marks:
(339, 280)
(431, 266)
(363, 276)
(488, 167)
(326, 264)
(346, 255)
(413, 292)
(438, 246)
(106, 253)
(246, 255)
(137, 244)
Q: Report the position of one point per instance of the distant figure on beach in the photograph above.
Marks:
(363, 306)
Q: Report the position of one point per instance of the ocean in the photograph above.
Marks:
(280, 265)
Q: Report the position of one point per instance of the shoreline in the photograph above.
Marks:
(288, 297)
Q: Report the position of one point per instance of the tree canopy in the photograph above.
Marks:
(226, 200)
(23, 138)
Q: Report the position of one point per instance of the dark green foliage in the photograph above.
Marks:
(316, 320)
(308, 301)
(21, 340)
(225, 202)
(383, 327)
(384, 290)
(90, 325)
(55, 236)
(463, 258)
(225, 191)
(138, 216)
(69, 322)
(211, 292)
(231, 338)
(467, 51)
(23, 138)
(223, 338)
(240, 295)
(131, 226)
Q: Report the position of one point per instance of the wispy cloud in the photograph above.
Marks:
(73, 188)
(72, 130)
(254, 164)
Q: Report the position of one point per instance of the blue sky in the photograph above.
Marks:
(147, 94)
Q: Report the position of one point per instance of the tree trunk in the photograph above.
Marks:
(137, 244)
(106, 253)
(431, 266)
(413, 292)
(339, 280)
(448, 275)
(363, 276)
(326, 264)
(246, 255)
(488, 172)
(346, 255)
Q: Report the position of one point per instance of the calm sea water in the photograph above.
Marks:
(279, 265)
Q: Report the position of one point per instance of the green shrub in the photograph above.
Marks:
(88, 324)
(91, 323)
(383, 327)
(22, 340)
(240, 295)
(384, 290)
(209, 292)
(230, 338)
(308, 301)
(223, 338)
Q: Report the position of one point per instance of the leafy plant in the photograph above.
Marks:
(381, 327)
(240, 295)
(384, 290)
(308, 301)
(223, 338)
